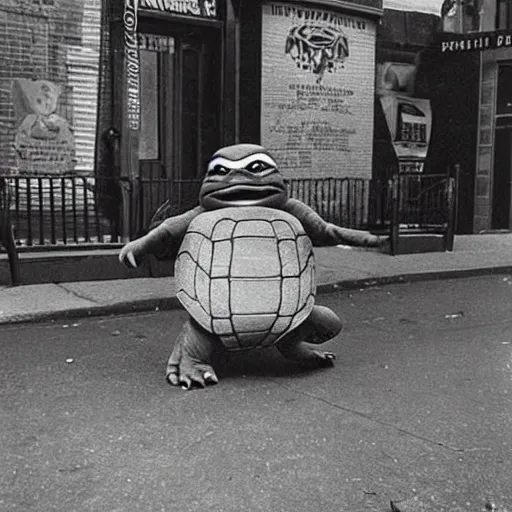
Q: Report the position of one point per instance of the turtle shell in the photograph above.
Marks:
(246, 274)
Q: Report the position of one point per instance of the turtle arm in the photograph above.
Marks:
(324, 233)
(167, 234)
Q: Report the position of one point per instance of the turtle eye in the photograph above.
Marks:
(257, 166)
(218, 170)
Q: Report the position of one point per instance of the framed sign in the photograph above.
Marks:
(318, 75)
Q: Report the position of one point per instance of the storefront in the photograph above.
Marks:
(491, 136)
(301, 83)
(136, 95)
(493, 197)
(170, 100)
(188, 77)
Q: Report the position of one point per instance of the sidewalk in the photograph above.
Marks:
(337, 267)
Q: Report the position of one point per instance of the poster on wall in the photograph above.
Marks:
(318, 73)
(44, 142)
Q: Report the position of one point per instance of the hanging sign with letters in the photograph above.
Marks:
(203, 8)
(476, 41)
(132, 65)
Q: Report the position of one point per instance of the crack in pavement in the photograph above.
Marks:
(370, 418)
(78, 295)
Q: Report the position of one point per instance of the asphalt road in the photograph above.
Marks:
(417, 410)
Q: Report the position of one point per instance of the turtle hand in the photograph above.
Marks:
(384, 243)
(374, 240)
(130, 253)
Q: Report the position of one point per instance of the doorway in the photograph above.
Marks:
(180, 111)
(502, 178)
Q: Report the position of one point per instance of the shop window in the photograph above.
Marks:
(149, 131)
(503, 15)
(504, 102)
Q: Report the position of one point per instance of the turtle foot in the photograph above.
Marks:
(190, 362)
(304, 354)
(188, 373)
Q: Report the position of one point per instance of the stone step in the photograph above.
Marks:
(412, 243)
(72, 265)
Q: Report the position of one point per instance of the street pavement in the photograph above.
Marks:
(416, 411)
(337, 267)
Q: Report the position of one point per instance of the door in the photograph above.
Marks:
(180, 106)
(502, 179)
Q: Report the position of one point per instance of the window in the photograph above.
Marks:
(149, 132)
(503, 14)
(504, 101)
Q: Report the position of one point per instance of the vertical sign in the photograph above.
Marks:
(131, 115)
(318, 82)
(132, 65)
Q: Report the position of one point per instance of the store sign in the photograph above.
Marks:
(410, 123)
(132, 65)
(477, 41)
(318, 75)
(205, 8)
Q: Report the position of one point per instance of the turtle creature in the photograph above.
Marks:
(245, 270)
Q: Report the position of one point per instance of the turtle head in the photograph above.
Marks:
(242, 175)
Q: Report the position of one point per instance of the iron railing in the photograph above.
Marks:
(423, 201)
(59, 211)
(423, 204)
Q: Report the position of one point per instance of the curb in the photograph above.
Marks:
(120, 308)
(171, 303)
(412, 278)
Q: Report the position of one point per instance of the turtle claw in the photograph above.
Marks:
(172, 378)
(325, 358)
(210, 378)
(304, 354)
(187, 378)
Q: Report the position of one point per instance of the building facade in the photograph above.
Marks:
(478, 37)
(297, 77)
(145, 90)
(493, 196)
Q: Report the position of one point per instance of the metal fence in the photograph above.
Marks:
(59, 211)
(50, 211)
(423, 201)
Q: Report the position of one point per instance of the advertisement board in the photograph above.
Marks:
(410, 124)
(318, 74)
